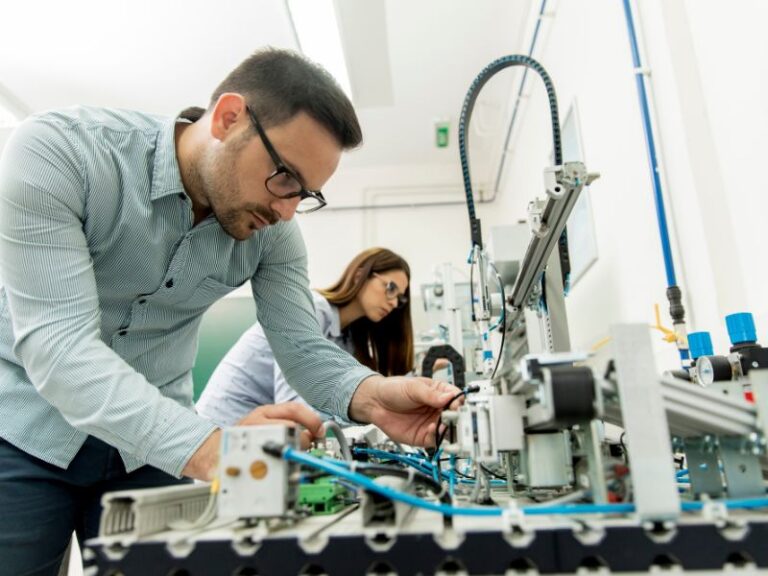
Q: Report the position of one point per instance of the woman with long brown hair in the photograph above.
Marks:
(366, 313)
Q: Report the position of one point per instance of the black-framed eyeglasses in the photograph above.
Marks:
(283, 183)
(392, 291)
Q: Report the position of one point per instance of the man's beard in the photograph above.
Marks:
(218, 177)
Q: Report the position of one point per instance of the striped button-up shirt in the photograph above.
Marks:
(248, 376)
(103, 282)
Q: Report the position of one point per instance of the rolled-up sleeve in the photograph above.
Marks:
(47, 272)
(316, 368)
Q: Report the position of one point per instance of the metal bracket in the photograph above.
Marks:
(645, 422)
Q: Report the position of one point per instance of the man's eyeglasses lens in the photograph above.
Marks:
(284, 184)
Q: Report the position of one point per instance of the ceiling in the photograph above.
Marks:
(411, 61)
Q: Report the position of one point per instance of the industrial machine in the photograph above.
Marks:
(557, 462)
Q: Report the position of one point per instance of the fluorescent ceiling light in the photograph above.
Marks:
(318, 35)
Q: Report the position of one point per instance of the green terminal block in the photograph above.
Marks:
(323, 496)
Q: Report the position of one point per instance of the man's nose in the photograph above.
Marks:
(285, 208)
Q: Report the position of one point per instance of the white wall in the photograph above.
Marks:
(730, 48)
(424, 236)
(586, 53)
(710, 94)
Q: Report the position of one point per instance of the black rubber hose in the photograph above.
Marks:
(466, 113)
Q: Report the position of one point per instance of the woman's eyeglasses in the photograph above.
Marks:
(392, 291)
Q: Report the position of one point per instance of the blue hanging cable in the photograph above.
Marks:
(674, 295)
(661, 216)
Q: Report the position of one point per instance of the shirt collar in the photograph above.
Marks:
(166, 176)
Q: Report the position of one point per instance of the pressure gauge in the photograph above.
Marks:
(711, 369)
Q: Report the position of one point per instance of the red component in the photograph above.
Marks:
(749, 397)
(620, 470)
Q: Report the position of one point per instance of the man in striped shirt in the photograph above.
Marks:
(117, 231)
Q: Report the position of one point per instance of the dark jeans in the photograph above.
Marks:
(41, 504)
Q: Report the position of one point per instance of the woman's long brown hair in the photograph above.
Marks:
(385, 346)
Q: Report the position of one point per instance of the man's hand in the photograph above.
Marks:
(290, 414)
(204, 462)
(406, 409)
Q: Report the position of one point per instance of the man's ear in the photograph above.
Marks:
(228, 112)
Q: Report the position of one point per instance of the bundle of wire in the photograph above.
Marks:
(345, 470)
(422, 464)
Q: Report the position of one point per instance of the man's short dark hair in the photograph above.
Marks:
(278, 84)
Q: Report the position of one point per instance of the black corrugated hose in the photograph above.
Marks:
(466, 113)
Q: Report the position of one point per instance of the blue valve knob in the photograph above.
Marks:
(700, 344)
(741, 328)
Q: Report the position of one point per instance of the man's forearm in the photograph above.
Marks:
(203, 464)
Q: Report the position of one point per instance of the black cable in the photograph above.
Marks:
(487, 471)
(502, 320)
(408, 474)
(492, 473)
(466, 113)
(467, 390)
(467, 476)
(624, 448)
(441, 435)
(501, 348)
(472, 283)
